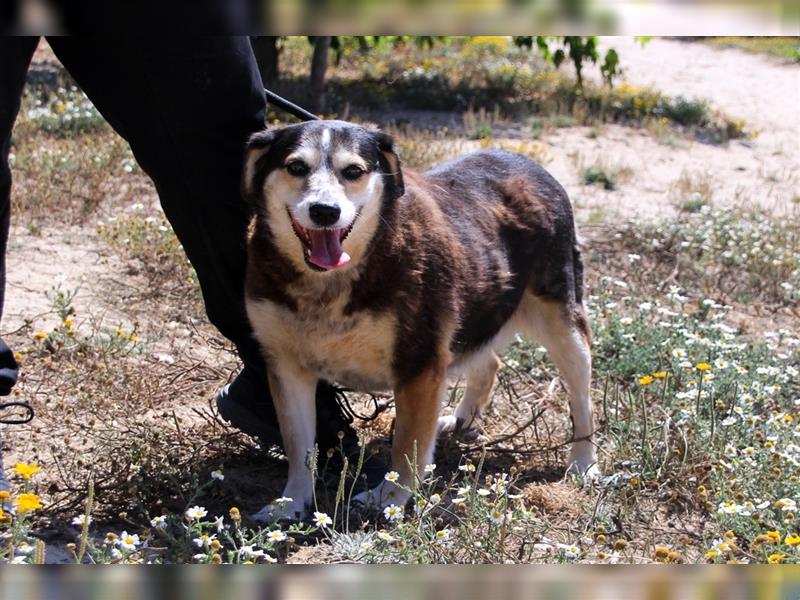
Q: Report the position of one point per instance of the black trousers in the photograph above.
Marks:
(186, 106)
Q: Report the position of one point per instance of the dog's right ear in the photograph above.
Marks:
(390, 163)
(255, 161)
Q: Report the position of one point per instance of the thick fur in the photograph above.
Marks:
(446, 266)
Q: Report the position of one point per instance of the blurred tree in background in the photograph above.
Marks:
(579, 49)
(267, 50)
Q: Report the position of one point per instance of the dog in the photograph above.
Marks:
(383, 279)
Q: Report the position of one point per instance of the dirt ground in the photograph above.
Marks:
(764, 169)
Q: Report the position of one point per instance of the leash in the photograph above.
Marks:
(18, 420)
(290, 107)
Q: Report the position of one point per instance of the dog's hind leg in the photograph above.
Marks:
(293, 392)
(480, 380)
(563, 330)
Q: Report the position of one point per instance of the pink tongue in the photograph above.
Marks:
(326, 249)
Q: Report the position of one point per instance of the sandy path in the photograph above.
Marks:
(763, 90)
(68, 258)
(762, 171)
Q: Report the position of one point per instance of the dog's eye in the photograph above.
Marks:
(352, 172)
(297, 168)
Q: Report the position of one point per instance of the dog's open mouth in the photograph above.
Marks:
(322, 248)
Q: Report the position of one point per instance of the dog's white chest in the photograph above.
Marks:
(355, 351)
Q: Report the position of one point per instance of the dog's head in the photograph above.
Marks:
(322, 186)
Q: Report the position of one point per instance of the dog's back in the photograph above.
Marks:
(514, 225)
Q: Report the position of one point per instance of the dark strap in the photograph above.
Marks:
(21, 420)
(290, 107)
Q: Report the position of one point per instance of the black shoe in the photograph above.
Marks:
(246, 404)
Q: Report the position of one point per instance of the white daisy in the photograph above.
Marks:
(196, 513)
(393, 512)
(159, 522)
(276, 536)
(128, 541)
(322, 519)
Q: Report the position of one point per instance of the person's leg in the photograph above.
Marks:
(15, 56)
(187, 107)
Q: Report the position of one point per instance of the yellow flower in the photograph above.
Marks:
(40, 335)
(792, 539)
(775, 559)
(18, 356)
(27, 502)
(774, 537)
(69, 322)
(134, 338)
(661, 552)
(712, 554)
(703, 366)
(4, 495)
(25, 470)
(760, 539)
(660, 374)
(646, 380)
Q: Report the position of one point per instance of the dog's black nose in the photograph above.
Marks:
(324, 215)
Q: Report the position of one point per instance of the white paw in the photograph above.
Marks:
(454, 425)
(276, 511)
(448, 424)
(381, 496)
(584, 464)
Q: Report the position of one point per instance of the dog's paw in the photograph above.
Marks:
(455, 426)
(381, 496)
(282, 510)
(585, 467)
(449, 424)
(586, 473)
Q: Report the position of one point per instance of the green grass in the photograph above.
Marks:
(782, 47)
(596, 175)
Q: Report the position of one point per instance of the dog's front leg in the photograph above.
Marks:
(417, 405)
(293, 391)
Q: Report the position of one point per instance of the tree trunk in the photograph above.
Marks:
(265, 47)
(319, 64)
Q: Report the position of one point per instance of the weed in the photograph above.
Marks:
(693, 192)
(597, 175)
(601, 174)
(478, 125)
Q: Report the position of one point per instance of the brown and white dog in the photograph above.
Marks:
(377, 279)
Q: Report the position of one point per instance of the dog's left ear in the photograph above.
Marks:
(258, 147)
(390, 163)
